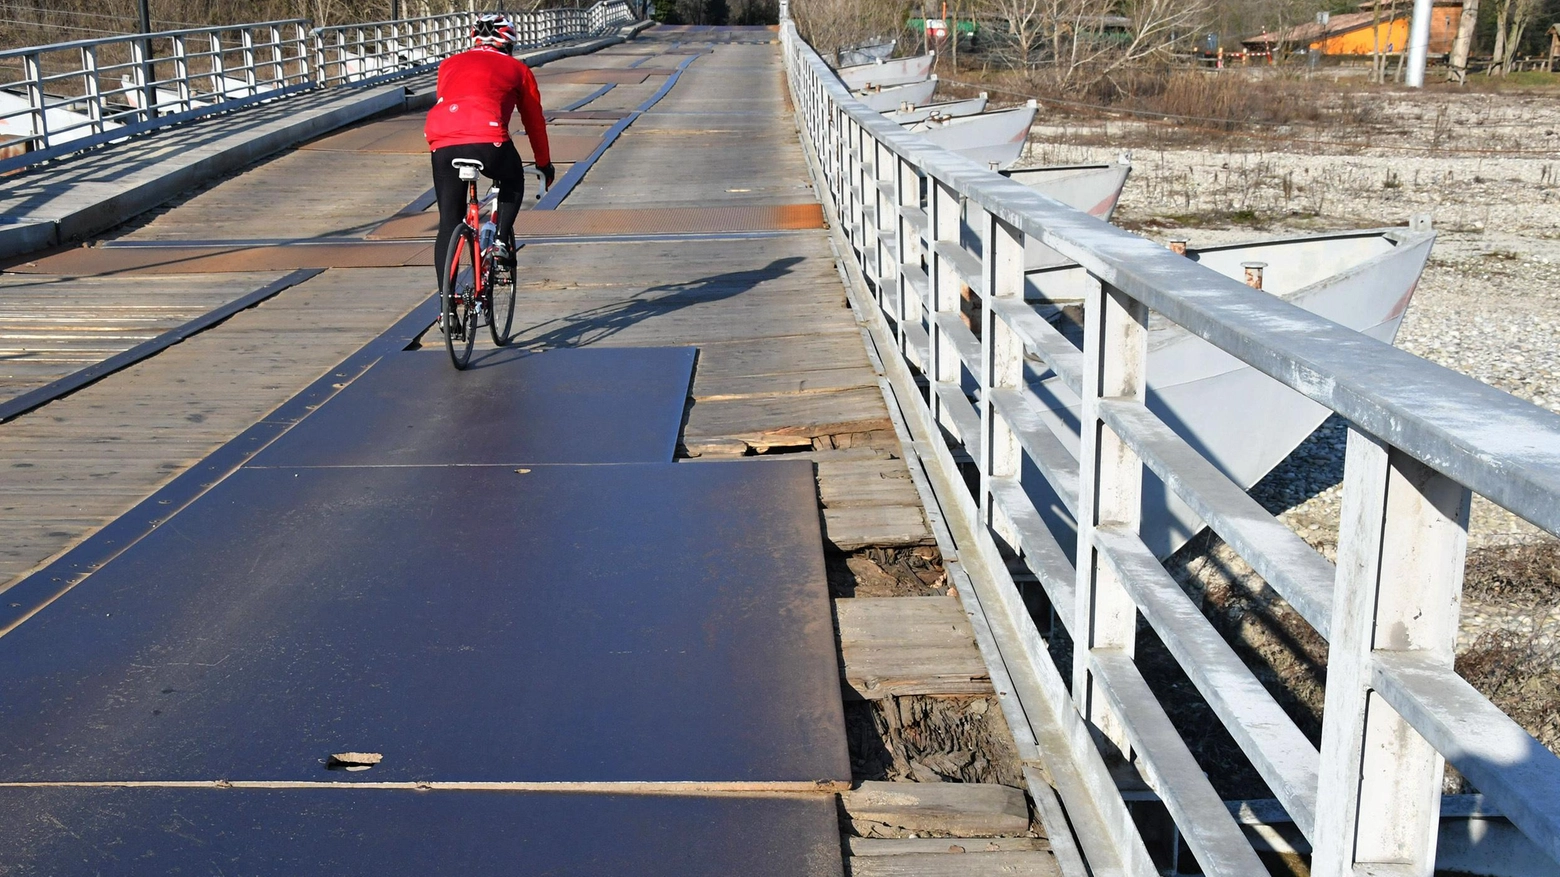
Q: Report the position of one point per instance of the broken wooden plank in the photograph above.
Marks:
(956, 809)
(791, 415)
(1001, 864)
(902, 846)
(851, 527)
(894, 646)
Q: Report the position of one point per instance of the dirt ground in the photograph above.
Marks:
(1487, 169)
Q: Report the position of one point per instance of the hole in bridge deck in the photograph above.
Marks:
(353, 761)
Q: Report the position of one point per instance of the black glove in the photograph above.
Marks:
(547, 173)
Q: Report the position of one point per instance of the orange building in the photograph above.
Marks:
(1353, 34)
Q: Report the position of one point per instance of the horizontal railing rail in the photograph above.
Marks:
(62, 98)
(1422, 441)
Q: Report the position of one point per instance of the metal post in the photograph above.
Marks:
(1002, 368)
(247, 40)
(945, 283)
(907, 195)
(1418, 43)
(33, 70)
(94, 92)
(1110, 487)
(143, 85)
(181, 74)
(1403, 538)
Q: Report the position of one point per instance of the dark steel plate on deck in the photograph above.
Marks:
(63, 832)
(601, 405)
(636, 622)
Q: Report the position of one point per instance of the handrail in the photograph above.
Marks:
(1422, 440)
(157, 35)
(62, 98)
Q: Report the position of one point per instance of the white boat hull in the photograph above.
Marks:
(867, 53)
(1243, 421)
(896, 96)
(993, 139)
(885, 73)
(949, 109)
(1093, 188)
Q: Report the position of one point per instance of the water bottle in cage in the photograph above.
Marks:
(486, 235)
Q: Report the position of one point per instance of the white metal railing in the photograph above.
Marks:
(65, 97)
(1422, 440)
(356, 53)
(84, 92)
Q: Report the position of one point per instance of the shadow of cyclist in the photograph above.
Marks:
(593, 325)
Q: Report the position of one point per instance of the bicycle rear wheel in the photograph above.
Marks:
(458, 296)
(501, 307)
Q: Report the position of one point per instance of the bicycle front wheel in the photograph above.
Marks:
(501, 307)
(458, 296)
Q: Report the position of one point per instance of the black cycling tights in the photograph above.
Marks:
(500, 163)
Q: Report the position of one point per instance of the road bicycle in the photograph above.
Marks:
(476, 288)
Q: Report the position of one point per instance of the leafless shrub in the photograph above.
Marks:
(829, 25)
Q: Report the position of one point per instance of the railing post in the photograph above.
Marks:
(944, 217)
(32, 68)
(247, 44)
(1110, 487)
(1001, 367)
(92, 87)
(302, 40)
(907, 195)
(181, 73)
(218, 69)
(1402, 542)
(278, 67)
(141, 65)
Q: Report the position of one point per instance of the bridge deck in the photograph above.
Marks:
(781, 372)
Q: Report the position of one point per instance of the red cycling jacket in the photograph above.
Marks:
(478, 91)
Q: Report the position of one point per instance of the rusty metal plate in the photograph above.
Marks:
(611, 623)
(605, 76)
(608, 221)
(565, 148)
(602, 405)
(98, 261)
(74, 832)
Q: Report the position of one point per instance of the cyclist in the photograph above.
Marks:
(479, 89)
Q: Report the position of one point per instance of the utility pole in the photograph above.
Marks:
(148, 90)
(1418, 43)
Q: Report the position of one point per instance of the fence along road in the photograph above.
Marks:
(1422, 439)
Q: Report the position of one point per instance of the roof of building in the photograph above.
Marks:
(1336, 25)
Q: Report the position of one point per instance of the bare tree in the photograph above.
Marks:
(1084, 41)
(1457, 64)
(833, 24)
(1511, 18)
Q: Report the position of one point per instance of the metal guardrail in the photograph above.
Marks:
(1422, 439)
(65, 97)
